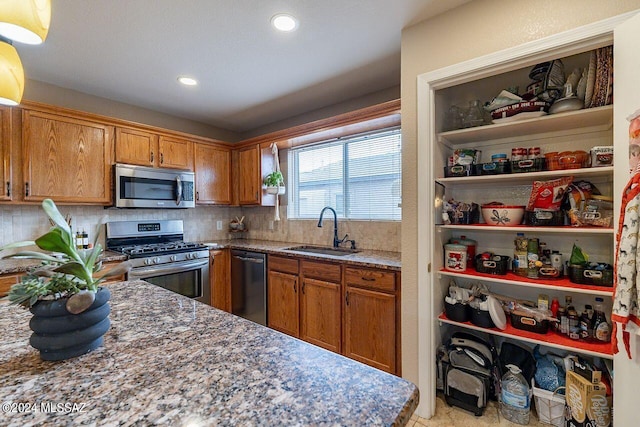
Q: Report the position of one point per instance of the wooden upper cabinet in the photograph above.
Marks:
(66, 159)
(213, 174)
(136, 147)
(6, 141)
(254, 163)
(140, 147)
(175, 153)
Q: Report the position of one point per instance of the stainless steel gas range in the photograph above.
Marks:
(159, 255)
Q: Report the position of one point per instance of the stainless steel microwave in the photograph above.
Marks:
(143, 187)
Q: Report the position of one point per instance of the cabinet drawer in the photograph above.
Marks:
(286, 265)
(6, 282)
(322, 271)
(377, 279)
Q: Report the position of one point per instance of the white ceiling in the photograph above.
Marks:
(250, 75)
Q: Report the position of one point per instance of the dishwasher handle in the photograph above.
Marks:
(253, 260)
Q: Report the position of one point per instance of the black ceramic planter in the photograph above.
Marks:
(61, 335)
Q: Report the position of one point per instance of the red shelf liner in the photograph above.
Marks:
(550, 337)
(563, 282)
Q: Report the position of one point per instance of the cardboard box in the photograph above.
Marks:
(588, 402)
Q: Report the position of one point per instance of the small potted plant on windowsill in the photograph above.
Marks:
(274, 183)
(70, 311)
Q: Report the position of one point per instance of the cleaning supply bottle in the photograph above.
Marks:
(515, 396)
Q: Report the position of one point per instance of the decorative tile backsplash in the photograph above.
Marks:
(373, 235)
(26, 222)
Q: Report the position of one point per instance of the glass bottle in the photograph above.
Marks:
(474, 115)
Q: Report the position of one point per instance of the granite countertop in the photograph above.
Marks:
(171, 360)
(363, 258)
(18, 266)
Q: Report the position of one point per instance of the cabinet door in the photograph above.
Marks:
(320, 313)
(5, 153)
(249, 187)
(220, 278)
(212, 169)
(114, 279)
(283, 306)
(66, 159)
(175, 153)
(6, 282)
(370, 328)
(136, 147)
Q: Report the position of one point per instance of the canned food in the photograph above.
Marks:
(534, 153)
(519, 153)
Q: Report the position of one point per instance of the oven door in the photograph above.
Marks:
(143, 187)
(188, 278)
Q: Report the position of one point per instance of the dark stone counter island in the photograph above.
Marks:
(169, 360)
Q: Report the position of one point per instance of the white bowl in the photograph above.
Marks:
(502, 215)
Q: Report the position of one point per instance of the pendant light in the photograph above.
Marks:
(25, 21)
(11, 74)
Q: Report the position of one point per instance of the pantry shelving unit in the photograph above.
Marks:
(483, 78)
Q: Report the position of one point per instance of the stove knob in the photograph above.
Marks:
(156, 260)
(147, 261)
(173, 258)
(188, 255)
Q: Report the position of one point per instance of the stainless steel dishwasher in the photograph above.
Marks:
(249, 285)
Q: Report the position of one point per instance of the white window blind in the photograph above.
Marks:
(358, 176)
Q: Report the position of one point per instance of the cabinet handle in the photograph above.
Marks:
(161, 158)
(303, 286)
(346, 298)
(26, 189)
(197, 195)
(295, 286)
(8, 189)
(152, 157)
(368, 279)
(257, 198)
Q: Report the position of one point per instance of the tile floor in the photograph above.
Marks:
(447, 416)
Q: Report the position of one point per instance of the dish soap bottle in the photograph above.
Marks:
(515, 396)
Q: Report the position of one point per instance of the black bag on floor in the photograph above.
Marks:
(469, 371)
(522, 357)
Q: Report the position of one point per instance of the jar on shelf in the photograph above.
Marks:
(474, 115)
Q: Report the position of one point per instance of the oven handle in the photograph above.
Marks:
(177, 267)
(179, 191)
(253, 260)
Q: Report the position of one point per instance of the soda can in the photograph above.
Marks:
(518, 154)
(534, 152)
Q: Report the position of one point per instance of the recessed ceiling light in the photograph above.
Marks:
(187, 81)
(284, 22)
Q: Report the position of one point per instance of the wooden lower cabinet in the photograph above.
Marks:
(220, 279)
(320, 313)
(6, 282)
(283, 310)
(371, 318)
(108, 266)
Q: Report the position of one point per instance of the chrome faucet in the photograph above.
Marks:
(336, 241)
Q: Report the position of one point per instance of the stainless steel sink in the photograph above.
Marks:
(323, 250)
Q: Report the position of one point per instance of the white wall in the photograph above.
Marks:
(477, 28)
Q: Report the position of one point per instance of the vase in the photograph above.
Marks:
(60, 335)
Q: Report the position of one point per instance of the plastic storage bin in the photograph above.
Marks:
(544, 218)
(460, 170)
(527, 165)
(496, 264)
(528, 323)
(481, 318)
(591, 276)
(465, 217)
(494, 168)
(457, 312)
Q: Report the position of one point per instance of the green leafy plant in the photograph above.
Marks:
(67, 273)
(274, 179)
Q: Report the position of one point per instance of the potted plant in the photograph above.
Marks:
(70, 311)
(274, 183)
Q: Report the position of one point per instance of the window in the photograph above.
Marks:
(358, 176)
